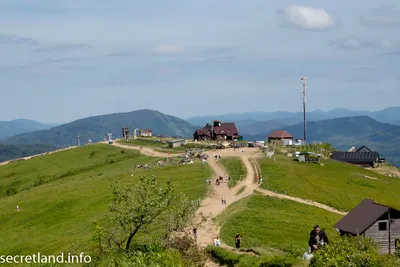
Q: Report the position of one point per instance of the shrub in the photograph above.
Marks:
(92, 154)
(352, 251)
(191, 254)
(11, 191)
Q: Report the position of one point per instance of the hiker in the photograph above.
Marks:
(308, 254)
(317, 238)
(17, 208)
(195, 233)
(222, 201)
(237, 240)
(217, 242)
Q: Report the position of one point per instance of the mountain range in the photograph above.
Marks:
(18, 126)
(94, 128)
(387, 115)
(372, 130)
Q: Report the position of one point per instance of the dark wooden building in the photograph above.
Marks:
(362, 156)
(218, 131)
(373, 220)
(280, 137)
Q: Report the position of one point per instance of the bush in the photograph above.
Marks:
(352, 251)
(225, 257)
(191, 254)
(11, 191)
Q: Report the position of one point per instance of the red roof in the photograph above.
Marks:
(147, 131)
(280, 134)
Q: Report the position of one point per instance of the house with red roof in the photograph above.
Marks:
(280, 137)
(146, 133)
(217, 131)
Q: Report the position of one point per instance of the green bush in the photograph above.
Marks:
(11, 191)
(225, 257)
(352, 251)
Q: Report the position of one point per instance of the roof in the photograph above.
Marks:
(355, 157)
(147, 131)
(280, 134)
(364, 149)
(362, 217)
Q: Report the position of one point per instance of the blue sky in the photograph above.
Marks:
(67, 59)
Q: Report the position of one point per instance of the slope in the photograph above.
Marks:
(19, 126)
(62, 194)
(95, 127)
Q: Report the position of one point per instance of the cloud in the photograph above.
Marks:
(307, 18)
(15, 39)
(355, 43)
(383, 17)
(61, 48)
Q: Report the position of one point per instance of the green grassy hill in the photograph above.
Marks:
(95, 128)
(272, 225)
(62, 194)
(335, 184)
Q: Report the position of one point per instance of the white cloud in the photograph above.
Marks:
(307, 17)
(169, 49)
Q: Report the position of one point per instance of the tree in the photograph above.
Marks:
(136, 205)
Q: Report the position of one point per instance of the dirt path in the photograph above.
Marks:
(37, 155)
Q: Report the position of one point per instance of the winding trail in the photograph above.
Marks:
(211, 206)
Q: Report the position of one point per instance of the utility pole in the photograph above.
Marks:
(304, 83)
(78, 137)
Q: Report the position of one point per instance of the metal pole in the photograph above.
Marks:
(79, 141)
(304, 82)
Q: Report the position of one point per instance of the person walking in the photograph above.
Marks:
(237, 240)
(317, 238)
(195, 233)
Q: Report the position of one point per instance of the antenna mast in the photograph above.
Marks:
(304, 83)
(78, 137)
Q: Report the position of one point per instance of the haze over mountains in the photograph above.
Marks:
(388, 115)
(341, 127)
(18, 126)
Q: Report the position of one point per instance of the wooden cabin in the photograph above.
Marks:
(373, 220)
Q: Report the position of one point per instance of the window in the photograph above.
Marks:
(382, 226)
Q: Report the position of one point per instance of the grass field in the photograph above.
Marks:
(235, 168)
(336, 184)
(267, 223)
(58, 214)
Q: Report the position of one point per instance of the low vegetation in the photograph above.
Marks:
(235, 169)
(352, 251)
(265, 222)
(57, 214)
(335, 184)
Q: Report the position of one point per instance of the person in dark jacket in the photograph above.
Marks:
(317, 238)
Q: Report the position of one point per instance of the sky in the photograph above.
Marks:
(68, 59)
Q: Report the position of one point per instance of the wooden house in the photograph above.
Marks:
(362, 156)
(373, 220)
(176, 143)
(218, 131)
(280, 137)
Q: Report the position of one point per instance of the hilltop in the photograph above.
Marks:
(19, 126)
(346, 132)
(95, 128)
(387, 115)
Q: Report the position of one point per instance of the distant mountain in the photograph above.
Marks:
(252, 128)
(95, 128)
(19, 126)
(9, 152)
(388, 115)
(346, 132)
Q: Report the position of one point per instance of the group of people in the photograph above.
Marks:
(318, 238)
(223, 200)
